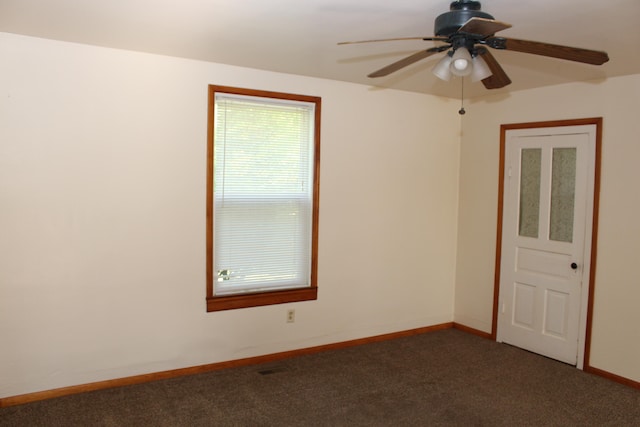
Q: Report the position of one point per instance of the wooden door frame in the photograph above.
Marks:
(597, 121)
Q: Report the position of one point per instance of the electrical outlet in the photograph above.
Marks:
(291, 316)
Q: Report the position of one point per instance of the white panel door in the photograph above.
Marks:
(546, 237)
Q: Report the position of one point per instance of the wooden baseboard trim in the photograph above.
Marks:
(473, 331)
(139, 379)
(612, 377)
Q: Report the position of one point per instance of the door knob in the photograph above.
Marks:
(574, 266)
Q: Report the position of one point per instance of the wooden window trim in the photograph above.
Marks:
(229, 302)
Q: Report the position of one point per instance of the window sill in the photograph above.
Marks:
(264, 298)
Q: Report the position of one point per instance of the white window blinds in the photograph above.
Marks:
(263, 191)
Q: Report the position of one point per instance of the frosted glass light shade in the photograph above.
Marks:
(461, 64)
(441, 70)
(480, 69)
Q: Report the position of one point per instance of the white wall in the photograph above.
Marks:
(616, 336)
(102, 216)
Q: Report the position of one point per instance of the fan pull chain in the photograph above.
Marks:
(461, 110)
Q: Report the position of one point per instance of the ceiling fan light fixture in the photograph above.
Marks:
(461, 64)
(480, 69)
(441, 70)
(469, 31)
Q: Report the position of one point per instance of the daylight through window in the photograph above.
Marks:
(262, 198)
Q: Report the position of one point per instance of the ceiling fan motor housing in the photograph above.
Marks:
(460, 11)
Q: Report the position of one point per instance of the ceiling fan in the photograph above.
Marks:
(466, 32)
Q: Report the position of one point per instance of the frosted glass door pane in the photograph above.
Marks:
(529, 192)
(563, 186)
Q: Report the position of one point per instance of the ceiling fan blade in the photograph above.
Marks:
(385, 71)
(440, 39)
(586, 56)
(498, 78)
(483, 26)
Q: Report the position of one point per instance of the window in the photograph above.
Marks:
(262, 198)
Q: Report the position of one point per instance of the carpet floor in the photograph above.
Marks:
(442, 378)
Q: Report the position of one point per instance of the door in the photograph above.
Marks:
(546, 239)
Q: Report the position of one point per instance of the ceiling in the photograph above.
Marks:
(300, 36)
